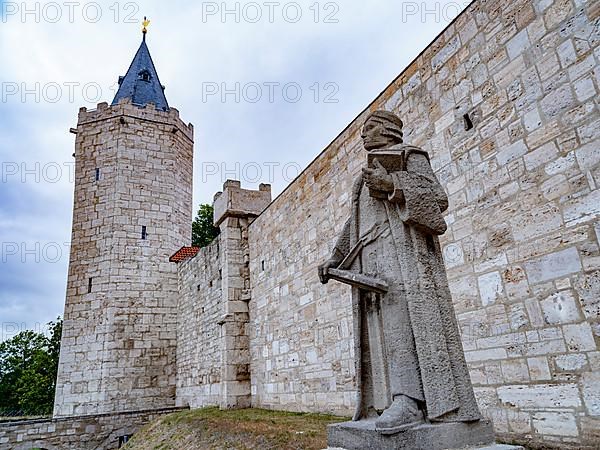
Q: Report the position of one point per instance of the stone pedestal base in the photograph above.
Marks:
(363, 436)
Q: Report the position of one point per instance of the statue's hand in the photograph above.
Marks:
(378, 179)
(329, 264)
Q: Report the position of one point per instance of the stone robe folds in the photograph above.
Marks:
(406, 340)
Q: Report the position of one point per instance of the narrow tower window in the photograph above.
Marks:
(90, 281)
(468, 122)
(144, 234)
(97, 174)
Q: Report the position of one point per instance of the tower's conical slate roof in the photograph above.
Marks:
(141, 83)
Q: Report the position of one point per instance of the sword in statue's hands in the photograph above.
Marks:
(339, 271)
(358, 280)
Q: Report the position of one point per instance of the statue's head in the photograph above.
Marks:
(382, 129)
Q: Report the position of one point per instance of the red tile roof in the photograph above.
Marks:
(184, 253)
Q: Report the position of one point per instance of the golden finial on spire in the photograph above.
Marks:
(145, 24)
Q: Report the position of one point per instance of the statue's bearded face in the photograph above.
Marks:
(377, 134)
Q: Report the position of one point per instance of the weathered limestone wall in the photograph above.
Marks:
(95, 432)
(234, 209)
(119, 333)
(213, 353)
(199, 310)
(522, 245)
(300, 332)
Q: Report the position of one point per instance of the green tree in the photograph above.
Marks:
(28, 367)
(203, 230)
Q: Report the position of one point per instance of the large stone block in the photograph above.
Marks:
(540, 396)
(554, 265)
(579, 337)
(560, 308)
(555, 423)
(590, 383)
(583, 209)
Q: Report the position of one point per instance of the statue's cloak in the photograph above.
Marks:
(414, 212)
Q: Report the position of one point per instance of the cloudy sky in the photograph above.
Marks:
(266, 85)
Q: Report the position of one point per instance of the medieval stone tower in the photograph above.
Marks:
(132, 210)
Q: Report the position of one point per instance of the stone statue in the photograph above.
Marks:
(410, 364)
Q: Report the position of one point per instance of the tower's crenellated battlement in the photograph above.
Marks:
(237, 202)
(126, 109)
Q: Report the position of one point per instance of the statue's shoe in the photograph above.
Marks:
(401, 415)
